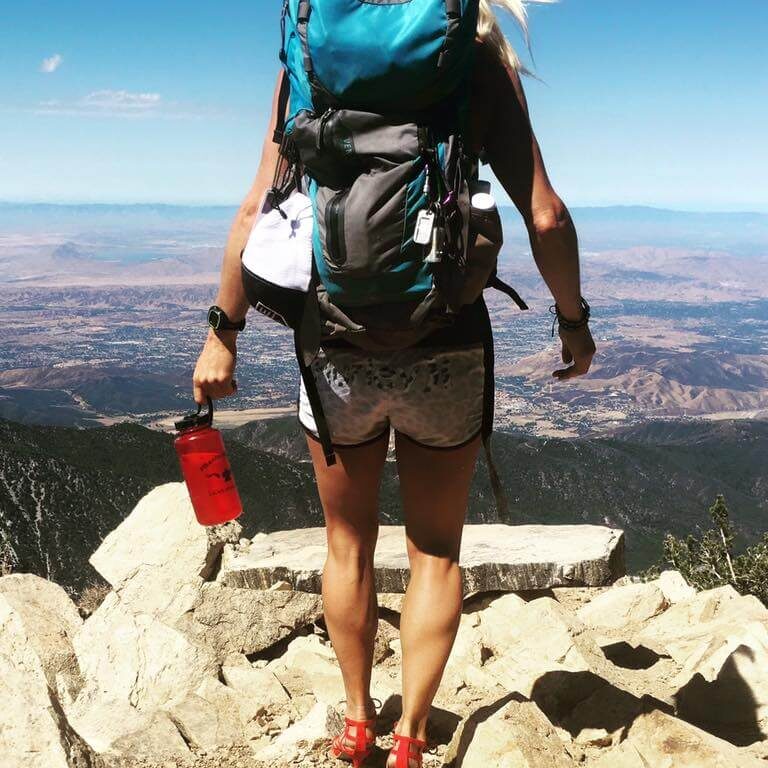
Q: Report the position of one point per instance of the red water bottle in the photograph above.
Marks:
(206, 469)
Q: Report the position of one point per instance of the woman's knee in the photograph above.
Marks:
(438, 557)
(352, 549)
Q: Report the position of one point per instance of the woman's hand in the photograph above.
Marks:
(579, 349)
(216, 367)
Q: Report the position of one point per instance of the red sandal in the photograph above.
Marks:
(341, 750)
(402, 750)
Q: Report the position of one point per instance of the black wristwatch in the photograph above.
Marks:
(218, 320)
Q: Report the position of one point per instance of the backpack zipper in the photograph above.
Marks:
(334, 227)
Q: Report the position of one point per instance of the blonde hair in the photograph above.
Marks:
(490, 32)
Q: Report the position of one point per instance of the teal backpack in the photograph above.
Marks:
(379, 99)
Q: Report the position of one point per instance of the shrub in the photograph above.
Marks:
(92, 597)
(709, 560)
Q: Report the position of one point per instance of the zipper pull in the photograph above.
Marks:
(324, 118)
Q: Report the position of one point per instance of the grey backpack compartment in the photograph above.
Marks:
(372, 175)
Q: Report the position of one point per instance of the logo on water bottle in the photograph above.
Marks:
(226, 475)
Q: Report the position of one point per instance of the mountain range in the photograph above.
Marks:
(62, 489)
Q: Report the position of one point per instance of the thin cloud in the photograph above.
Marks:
(121, 101)
(106, 103)
(51, 64)
(124, 104)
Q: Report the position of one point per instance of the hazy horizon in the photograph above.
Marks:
(746, 210)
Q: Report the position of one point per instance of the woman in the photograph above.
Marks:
(436, 447)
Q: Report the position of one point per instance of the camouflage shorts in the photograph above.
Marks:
(434, 396)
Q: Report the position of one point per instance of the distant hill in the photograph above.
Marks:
(661, 381)
(75, 394)
(63, 489)
(621, 226)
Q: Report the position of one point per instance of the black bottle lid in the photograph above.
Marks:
(193, 420)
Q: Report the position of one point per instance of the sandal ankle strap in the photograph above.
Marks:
(410, 739)
(350, 721)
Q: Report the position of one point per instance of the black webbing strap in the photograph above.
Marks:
(302, 19)
(500, 285)
(489, 397)
(310, 387)
(282, 108)
(453, 11)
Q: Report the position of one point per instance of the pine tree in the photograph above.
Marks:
(709, 561)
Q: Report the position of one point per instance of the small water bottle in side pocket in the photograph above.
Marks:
(486, 236)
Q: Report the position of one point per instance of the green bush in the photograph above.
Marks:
(709, 560)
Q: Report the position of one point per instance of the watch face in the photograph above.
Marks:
(214, 318)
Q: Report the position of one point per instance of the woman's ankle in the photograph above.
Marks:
(415, 728)
(361, 710)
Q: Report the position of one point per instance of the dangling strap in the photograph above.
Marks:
(313, 395)
(489, 397)
(497, 283)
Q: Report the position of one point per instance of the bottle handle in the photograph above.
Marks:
(208, 418)
(192, 420)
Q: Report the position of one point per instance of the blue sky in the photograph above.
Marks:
(644, 101)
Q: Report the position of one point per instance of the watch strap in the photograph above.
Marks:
(218, 320)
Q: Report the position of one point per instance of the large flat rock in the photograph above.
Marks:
(493, 557)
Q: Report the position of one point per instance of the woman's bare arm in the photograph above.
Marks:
(216, 364)
(515, 157)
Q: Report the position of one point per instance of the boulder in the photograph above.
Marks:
(675, 588)
(258, 685)
(159, 556)
(542, 638)
(628, 604)
(115, 729)
(212, 717)
(227, 620)
(309, 671)
(316, 729)
(467, 654)
(386, 634)
(625, 755)
(493, 557)
(682, 627)
(517, 735)
(36, 624)
(598, 719)
(724, 684)
(133, 659)
(33, 730)
(47, 618)
(662, 740)
(150, 736)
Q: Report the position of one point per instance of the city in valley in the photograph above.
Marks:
(103, 316)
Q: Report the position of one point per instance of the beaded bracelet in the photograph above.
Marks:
(571, 325)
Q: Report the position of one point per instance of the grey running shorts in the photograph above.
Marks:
(434, 396)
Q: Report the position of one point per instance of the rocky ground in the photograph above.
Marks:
(176, 669)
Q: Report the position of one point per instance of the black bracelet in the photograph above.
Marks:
(571, 325)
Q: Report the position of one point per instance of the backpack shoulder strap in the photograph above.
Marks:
(282, 108)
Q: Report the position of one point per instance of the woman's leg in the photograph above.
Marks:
(435, 488)
(349, 493)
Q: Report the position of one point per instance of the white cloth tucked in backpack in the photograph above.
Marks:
(279, 249)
